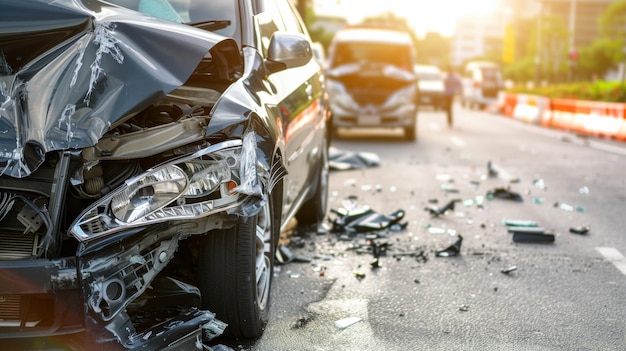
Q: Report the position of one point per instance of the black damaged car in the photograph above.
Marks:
(150, 154)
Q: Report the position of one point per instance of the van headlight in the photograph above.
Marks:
(402, 97)
(339, 96)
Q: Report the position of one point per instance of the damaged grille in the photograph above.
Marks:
(9, 308)
(16, 245)
(21, 227)
(26, 311)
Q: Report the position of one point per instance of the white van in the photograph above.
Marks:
(482, 81)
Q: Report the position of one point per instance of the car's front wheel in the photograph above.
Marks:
(236, 272)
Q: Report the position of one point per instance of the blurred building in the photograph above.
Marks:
(480, 36)
(580, 16)
(476, 36)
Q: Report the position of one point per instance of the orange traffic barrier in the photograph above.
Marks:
(562, 113)
(507, 102)
(598, 118)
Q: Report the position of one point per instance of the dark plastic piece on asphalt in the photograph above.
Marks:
(509, 269)
(284, 256)
(505, 194)
(519, 223)
(365, 220)
(491, 171)
(583, 229)
(359, 275)
(530, 237)
(375, 263)
(437, 211)
(452, 250)
(527, 230)
(344, 160)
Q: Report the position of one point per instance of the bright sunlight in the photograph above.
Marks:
(423, 15)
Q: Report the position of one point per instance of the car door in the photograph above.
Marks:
(298, 93)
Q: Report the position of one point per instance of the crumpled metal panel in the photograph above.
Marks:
(69, 70)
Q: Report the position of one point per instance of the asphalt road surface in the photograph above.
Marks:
(496, 294)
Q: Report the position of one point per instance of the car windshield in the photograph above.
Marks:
(219, 16)
(386, 53)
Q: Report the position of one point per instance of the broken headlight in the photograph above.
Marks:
(195, 186)
(402, 98)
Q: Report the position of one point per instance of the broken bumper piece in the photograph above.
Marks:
(187, 332)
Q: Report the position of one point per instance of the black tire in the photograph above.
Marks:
(236, 268)
(314, 209)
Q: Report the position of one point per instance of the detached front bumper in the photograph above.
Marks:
(50, 304)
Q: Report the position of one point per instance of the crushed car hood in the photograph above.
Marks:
(71, 69)
(372, 70)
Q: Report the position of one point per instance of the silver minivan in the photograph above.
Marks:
(371, 81)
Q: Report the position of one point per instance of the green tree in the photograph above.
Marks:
(613, 27)
(598, 58)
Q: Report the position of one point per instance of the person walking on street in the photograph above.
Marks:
(452, 86)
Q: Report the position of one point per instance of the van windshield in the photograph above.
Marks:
(384, 53)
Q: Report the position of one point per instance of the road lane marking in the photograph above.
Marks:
(608, 148)
(614, 256)
(457, 141)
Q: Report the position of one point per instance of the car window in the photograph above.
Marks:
(388, 53)
(289, 18)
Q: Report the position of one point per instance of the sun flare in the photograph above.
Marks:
(424, 16)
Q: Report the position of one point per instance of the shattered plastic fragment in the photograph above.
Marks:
(365, 220)
(537, 200)
(529, 230)
(509, 269)
(492, 172)
(375, 263)
(519, 223)
(433, 230)
(566, 207)
(443, 177)
(448, 188)
(528, 235)
(452, 250)
(539, 183)
(583, 229)
(346, 322)
(505, 194)
(437, 211)
(344, 160)
(359, 275)
(584, 190)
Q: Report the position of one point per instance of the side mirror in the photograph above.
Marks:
(288, 50)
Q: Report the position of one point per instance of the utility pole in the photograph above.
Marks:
(573, 54)
(539, 47)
